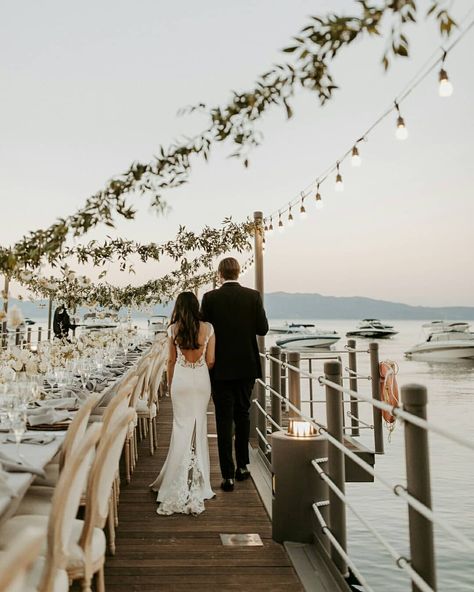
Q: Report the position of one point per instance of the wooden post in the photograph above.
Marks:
(351, 344)
(336, 464)
(256, 418)
(415, 398)
(50, 316)
(6, 286)
(375, 384)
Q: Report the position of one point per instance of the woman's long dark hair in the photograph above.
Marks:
(186, 318)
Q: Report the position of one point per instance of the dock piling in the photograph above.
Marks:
(414, 398)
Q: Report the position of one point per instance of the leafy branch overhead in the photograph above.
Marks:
(308, 67)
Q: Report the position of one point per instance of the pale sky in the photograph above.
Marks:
(86, 88)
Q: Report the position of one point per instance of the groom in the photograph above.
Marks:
(238, 316)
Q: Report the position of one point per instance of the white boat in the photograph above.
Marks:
(372, 328)
(304, 336)
(158, 323)
(446, 341)
(94, 321)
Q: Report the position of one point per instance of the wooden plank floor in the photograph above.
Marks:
(184, 553)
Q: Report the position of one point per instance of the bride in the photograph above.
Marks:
(184, 481)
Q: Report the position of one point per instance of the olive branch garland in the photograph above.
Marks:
(312, 50)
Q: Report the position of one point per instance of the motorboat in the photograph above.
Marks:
(158, 323)
(94, 321)
(373, 329)
(289, 327)
(445, 341)
(304, 336)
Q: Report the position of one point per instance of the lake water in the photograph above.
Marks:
(451, 404)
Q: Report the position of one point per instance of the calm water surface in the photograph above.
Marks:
(451, 404)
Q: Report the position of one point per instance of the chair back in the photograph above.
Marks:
(101, 477)
(77, 429)
(65, 503)
(119, 404)
(19, 557)
(157, 375)
(141, 383)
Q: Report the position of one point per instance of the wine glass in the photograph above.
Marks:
(18, 427)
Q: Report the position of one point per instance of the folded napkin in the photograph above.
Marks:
(47, 415)
(32, 438)
(62, 403)
(18, 466)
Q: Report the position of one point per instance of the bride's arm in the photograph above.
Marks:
(211, 351)
(171, 361)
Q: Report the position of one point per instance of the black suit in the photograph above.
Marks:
(238, 316)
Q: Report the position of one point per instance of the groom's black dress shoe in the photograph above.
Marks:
(227, 485)
(242, 474)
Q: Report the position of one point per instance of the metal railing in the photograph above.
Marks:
(329, 509)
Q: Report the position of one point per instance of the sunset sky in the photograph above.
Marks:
(87, 88)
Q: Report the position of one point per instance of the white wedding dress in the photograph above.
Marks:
(184, 480)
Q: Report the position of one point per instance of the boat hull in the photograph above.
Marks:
(309, 342)
(372, 333)
(442, 354)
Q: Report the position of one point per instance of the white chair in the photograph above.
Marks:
(49, 573)
(18, 560)
(147, 406)
(87, 546)
(73, 438)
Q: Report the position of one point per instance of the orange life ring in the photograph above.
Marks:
(388, 371)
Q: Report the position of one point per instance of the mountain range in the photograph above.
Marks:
(283, 305)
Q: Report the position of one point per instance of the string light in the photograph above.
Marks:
(303, 213)
(356, 160)
(270, 228)
(280, 222)
(401, 132)
(318, 199)
(290, 216)
(339, 183)
(445, 85)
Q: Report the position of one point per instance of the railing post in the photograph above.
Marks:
(17, 336)
(40, 330)
(414, 398)
(28, 337)
(258, 419)
(6, 285)
(50, 316)
(375, 383)
(284, 374)
(336, 466)
(353, 385)
(275, 381)
(294, 384)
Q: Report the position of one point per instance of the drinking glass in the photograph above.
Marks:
(18, 428)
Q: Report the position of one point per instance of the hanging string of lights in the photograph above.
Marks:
(445, 89)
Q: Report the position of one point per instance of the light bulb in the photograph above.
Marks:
(319, 200)
(270, 228)
(401, 132)
(445, 86)
(303, 213)
(290, 218)
(280, 223)
(356, 160)
(339, 184)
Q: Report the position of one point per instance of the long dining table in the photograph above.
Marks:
(14, 485)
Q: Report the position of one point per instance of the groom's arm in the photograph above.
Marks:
(262, 321)
(205, 308)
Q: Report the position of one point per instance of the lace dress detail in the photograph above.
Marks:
(184, 481)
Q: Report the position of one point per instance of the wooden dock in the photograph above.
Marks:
(184, 553)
